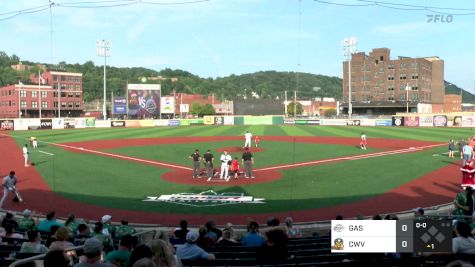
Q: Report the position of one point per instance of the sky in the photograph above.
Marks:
(217, 38)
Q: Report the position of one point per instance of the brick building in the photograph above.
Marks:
(379, 83)
(452, 103)
(28, 100)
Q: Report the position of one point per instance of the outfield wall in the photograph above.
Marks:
(433, 120)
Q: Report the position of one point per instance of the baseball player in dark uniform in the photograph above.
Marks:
(247, 161)
(196, 163)
(208, 158)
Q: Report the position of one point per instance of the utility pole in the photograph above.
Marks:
(103, 49)
(295, 103)
(349, 47)
(285, 104)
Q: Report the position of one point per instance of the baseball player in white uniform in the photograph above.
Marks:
(225, 157)
(9, 184)
(25, 154)
(35, 143)
(248, 137)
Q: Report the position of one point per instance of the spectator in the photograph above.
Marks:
(472, 224)
(464, 243)
(108, 227)
(273, 222)
(377, 217)
(292, 231)
(140, 252)
(464, 203)
(162, 254)
(104, 238)
(210, 233)
(190, 250)
(204, 240)
(124, 229)
(52, 235)
(275, 248)
(121, 256)
(215, 229)
(10, 220)
(181, 232)
(34, 243)
(26, 223)
(339, 217)
(163, 235)
(227, 239)
(45, 225)
(144, 262)
(418, 213)
(253, 238)
(83, 230)
(72, 224)
(62, 236)
(92, 251)
(10, 232)
(56, 258)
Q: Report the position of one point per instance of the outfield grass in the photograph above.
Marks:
(116, 183)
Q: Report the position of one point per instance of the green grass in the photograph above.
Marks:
(122, 184)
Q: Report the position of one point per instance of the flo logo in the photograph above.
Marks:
(205, 199)
(439, 18)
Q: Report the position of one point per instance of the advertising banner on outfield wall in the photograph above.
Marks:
(58, 123)
(467, 121)
(228, 120)
(426, 121)
(398, 121)
(289, 121)
(117, 124)
(33, 124)
(167, 105)
(161, 123)
(46, 124)
(218, 121)
(411, 121)
(208, 120)
(335, 122)
(120, 105)
(21, 124)
(353, 122)
(132, 124)
(173, 123)
(383, 122)
(195, 122)
(147, 123)
(103, 124)
(440, 121)
(69, 123)
(368, 122)
(90, 122)
(454, 121)
(7, 125)
(143, 99)
(80, 123)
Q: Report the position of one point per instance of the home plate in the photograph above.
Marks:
(81, 148)
(412, 148)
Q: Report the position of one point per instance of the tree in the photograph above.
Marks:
(207, 110)
(330, 112)
(195, 109)
(290, 108)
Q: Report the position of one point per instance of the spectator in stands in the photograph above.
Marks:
(10, 220)
(253, 238)
(273, 222)
(227, 239)
(45, 225)
(92, 251)
(108, 227)
(121, 256)
(472, 224)
(10, 231)
(83, 230)
(464, 202)
(163, 235)
(339, 217)
(62, 236)
(190, 250)
(418, 214)
(464, 243)
(163, 255)
(180, 233)
(51, 236)
(72, 224)
(56, 258)
(26, 223)
(275, 248)
(377, 217)
(210, 233)
(292, 231)
(34, 243)
(140, 252)
(204, 240)
(124, 229)
(215, 229)
(144, 262)
(104, 238)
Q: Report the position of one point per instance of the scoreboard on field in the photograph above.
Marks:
(391, 236)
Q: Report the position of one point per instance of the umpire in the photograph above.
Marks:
(208, 158)
(196, 163)
(247, 161)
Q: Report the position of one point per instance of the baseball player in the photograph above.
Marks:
(363, 141)
(35, 143)
(247, 137)
(256, 140)
(235, 167)
(9, 184)
(225, 158)
(25, 154)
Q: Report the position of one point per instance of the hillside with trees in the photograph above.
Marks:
(263, 84)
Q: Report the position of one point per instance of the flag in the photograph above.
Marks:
(20, 83)
(42, 80)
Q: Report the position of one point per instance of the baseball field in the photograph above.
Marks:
(308, 172)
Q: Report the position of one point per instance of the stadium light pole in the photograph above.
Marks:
(349, 48)
(407, 97)
(103, 48)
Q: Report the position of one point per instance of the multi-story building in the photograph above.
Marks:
(381, 85)
(29, 100)
(452, 103)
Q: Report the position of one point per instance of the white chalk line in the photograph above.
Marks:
(44, 152)
(364, 156)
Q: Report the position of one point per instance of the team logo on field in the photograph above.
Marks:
(206, 198)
